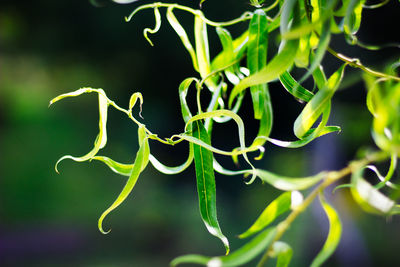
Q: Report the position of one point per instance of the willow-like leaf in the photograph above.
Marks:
(182, 35)
(228, 55)
(335, 231)
(203, 160)
(280, 63)
(283, 252)
(142, 158)
(288, 183)
(101, 138)
(368, 197)
(311, 134)
(172, 170)
(239, 257)
(352, 19)
(133, 100)
(239, 122)
(317, 105)
(257, 48)
(277, 207)
(119, 168)
(239, 47)
(294, 88)
(157, 26)
(202, 50)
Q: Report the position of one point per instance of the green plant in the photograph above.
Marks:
(305, 29)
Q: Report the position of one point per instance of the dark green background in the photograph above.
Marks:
(51, 47)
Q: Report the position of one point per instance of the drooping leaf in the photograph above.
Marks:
(157, 26)
(257, 48)
(280, 63)
(101, 138)
(277, 207)
(142, 158)
(202, 49)
(239, 257)
(173, 21)
(294, 88)
(283, 252)
(317, 104)
(288, 183)
(335, 231)
(352, 19)
(203, 160)
(368, 197)
(119, 168)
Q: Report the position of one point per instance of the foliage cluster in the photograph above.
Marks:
(305, 30)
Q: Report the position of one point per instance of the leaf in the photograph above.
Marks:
(335, 231)
(202, 50)
(119, 168)
(182, 35)
(157, 17)
(283, 252)
(257, 48)
(203, 160)
(141, 161)
(239, 122)
(133, 100)
(101, 138)
(368, 197)
(277, 207)
(172, 170)
(280, 63)
(352, 19)
(294, 88)
(288, 183)
(317, 104)
(241, 256)
(311, 134)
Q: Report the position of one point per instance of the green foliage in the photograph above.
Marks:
(305, 29)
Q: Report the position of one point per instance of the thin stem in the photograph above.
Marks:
(356, 63)
(245, 16)
(330, 178)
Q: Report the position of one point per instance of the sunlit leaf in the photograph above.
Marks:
(119, 168)
(202, 49)
(157, 18)
(335, 231)
(317, 104)
(142, 158)
(203, 160)
(283, 252)
(280, 63)
(182, 35)
(289, 183)
(101, 138)
(257, 48)
(239, 257)
(368, 197)
(277, 207)
(294, 88)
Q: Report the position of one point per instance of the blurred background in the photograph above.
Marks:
(47, 219)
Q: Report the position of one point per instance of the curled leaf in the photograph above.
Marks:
(142, 158)
(335, 231)
(101, 138)
(157, 18)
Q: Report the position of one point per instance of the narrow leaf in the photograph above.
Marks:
(142, 158)
(294, 88)
(173, 21)
(257, 48)
(119, 168)
(277, 207)
(157, 26)
(283, 252)
(335, 231)
(101, 138)
(288, 183)
(239, 257)
(203, 160)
